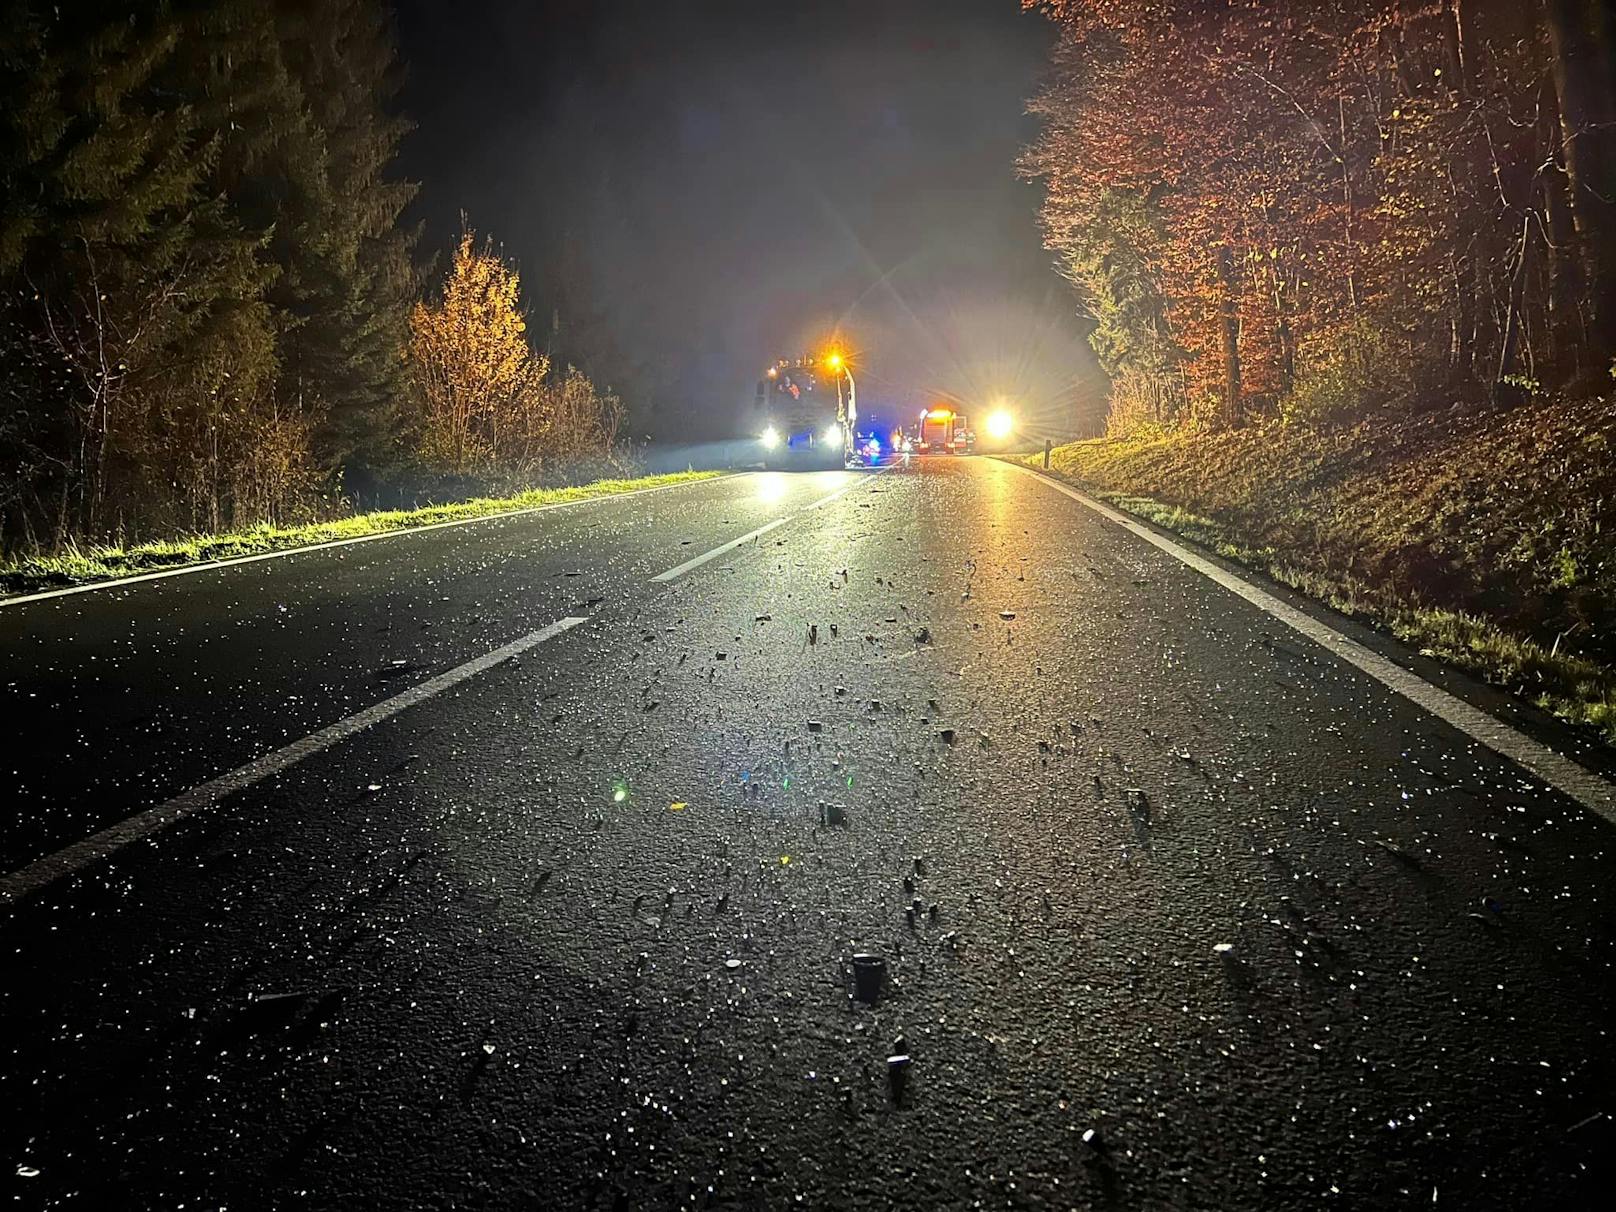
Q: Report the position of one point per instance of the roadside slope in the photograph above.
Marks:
(1487, 538)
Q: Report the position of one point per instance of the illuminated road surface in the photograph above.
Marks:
(1175, 908)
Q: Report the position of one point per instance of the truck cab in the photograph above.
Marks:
(802, 417)
(945, 431)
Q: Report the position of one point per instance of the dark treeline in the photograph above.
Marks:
(207, 288)
(1320, 209)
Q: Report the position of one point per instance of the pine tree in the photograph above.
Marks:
(131, 295)
(1109, 260)
(203, 277)
(357, 280)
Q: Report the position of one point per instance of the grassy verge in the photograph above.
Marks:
(1486, 540)
(34, 573)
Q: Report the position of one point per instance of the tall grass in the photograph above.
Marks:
(84, 566)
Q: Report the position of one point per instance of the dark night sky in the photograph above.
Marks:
(701, 187)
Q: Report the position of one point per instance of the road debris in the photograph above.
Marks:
(869, 977)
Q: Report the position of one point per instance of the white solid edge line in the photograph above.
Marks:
(42, 871)
(1589, 789)
(211, 565)
(673, 574)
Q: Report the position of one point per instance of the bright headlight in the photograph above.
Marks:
(1000, 424)
(833, 433)
(770, 437)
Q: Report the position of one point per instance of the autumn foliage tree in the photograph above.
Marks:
(474, 370)
(487, 402)
(1324, 208)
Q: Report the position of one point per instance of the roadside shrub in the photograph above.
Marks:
(1345, 374)
(1143, 400)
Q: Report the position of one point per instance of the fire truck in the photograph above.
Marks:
(945, 431)
(804, 415)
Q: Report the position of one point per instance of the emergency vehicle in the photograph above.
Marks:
(803, 415)
(944, 431)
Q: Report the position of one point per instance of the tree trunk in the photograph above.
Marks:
(1565, 331)
(1568, 335)
(1578, 30)
(1287, 347)
(1231, 337)
(1462, 358)
(1507, 347)
(1453, 42)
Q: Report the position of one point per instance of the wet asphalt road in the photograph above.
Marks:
(520, 977)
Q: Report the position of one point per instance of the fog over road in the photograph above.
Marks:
(1177, 909)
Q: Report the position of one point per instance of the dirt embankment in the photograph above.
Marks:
(1487, 537)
